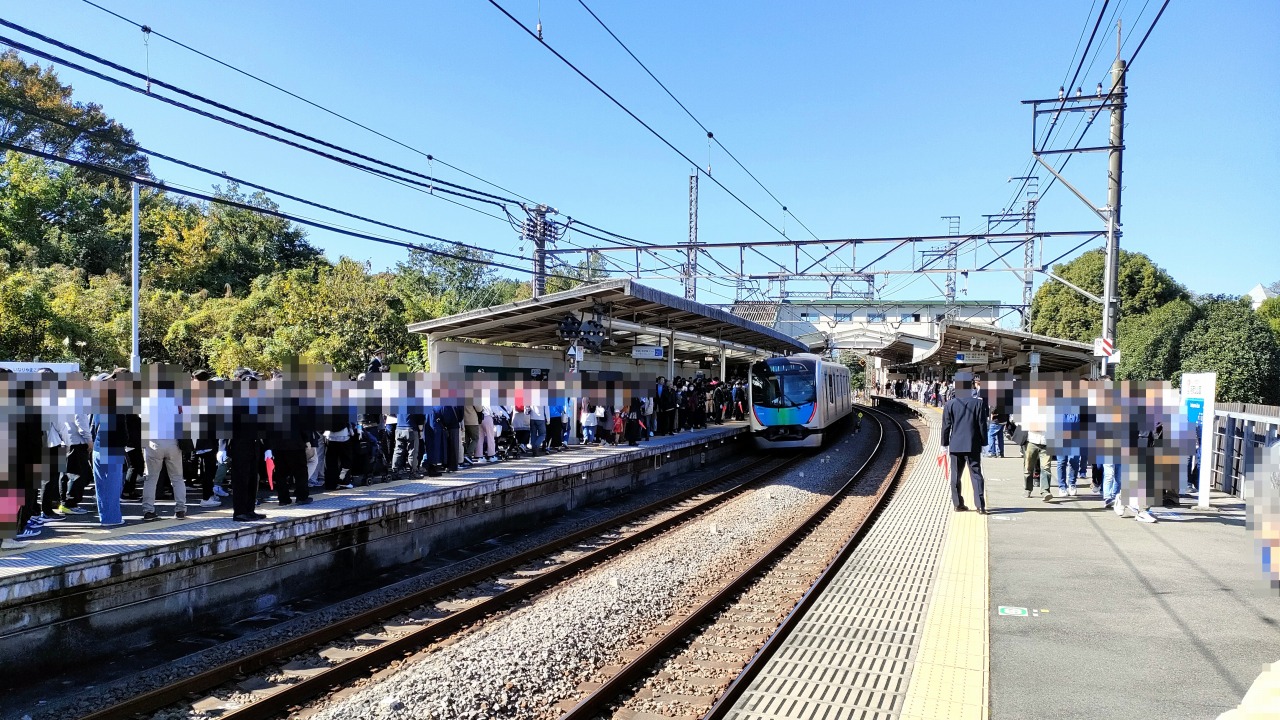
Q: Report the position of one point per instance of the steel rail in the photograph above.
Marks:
(396, 649)
(723, 704)
(598, 701)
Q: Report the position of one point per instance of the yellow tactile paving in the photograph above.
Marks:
(951, 677)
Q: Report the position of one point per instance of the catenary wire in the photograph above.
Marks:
(158, 185)
(633, 116)
(699, 123)
(246, 73)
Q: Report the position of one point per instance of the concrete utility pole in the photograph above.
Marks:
(135, 360)
(536, 231)
(1111, 279)
(690, 274)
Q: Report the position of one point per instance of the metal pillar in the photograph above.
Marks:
(1110, 290)
(690, 274)
(135, 360)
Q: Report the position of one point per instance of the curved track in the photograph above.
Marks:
(682, 508)
(735, 627)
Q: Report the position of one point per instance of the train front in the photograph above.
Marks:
(783, 396)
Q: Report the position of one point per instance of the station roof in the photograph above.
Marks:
(634, 314)
(1007, 347)
(901, 348)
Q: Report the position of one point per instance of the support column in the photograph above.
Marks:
(1110, 291)
(135, 360)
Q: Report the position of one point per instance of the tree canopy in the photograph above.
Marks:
(1059, 311)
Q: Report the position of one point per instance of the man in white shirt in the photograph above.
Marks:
(161, 428)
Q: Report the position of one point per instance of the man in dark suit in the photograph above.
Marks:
(964, 428)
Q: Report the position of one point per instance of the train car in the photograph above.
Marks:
(795, 400)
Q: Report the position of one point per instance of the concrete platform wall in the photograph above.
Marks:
(59, 617)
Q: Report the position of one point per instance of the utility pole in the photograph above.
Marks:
(1110, 290)
(690, 274)
(536, 231)
(135, 360)
(1029, 250)
(953, 228)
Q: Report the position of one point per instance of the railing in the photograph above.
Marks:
(1238, 431)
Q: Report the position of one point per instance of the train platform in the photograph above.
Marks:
(81, 584)
(1040, 609)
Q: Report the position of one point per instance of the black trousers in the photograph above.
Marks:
(555, 432)
(77, 476)
(291, 468)
(974, 461)
(244, 459)
(337, 455)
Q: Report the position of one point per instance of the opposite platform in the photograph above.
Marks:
(66, 598)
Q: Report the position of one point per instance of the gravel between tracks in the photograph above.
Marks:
(522, 664)
(89, 697)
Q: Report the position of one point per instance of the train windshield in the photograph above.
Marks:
(782, 383)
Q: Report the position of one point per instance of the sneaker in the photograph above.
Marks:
(1028, 493)
(148, 516)
(305, 501)
(51, 517)
(1108, 504)
(283, 503)
(243, 518)
(1146, 517)
(211, 502)
(72, 510)
(346, 486)
(1048, 495)
(180, 515)
(1120, 509)
(31, 530)
(111, 524)
(10, 544)
(258, 516)
(1071, 491)
(219, 492)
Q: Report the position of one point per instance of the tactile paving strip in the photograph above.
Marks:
(852, 655)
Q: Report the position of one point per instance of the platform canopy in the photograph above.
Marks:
(900, 348)
(633, 314)
(1007, 350)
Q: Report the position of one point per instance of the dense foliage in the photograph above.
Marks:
(1164, 332)
(222, 287)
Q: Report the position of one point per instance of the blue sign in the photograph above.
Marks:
(1195, 408)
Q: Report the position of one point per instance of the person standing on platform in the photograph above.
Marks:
(664, 401)
(107, 426)
(964, 423)
(242, 451)
(537, 427)
(995, 433)
(161, 430)
(471, 432)
(633, 426)
(78, 438)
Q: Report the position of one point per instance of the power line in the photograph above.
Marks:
(151, 31)
(240, 181)
(635, 117)
(161, 186)
(692, 117)
(1147, 35)
(431, 183)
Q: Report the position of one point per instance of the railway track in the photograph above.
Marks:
(520, 577)
(697, 666)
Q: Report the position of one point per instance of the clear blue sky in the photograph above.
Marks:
(866, 119)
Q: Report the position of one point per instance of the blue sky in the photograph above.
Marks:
(866, 119)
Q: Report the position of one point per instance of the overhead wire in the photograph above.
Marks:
(152, 31)
(135, 147)
(633, 116)
(699, 123)
(310, 222)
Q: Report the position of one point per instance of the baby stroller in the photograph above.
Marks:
(508, 446)
(371, 455)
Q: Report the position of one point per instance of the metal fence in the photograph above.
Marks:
(1238, 431)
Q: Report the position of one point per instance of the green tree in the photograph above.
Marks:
(1059, 311)
(1151, 344)
(589, 270)
(857, 369)
(1233, 341)
(28, 92)
(1270, 312)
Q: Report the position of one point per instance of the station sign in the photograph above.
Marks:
(973, 357)
(32, 367)
(647, 352)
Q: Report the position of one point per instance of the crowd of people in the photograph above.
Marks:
(163, 433)
(935, 393)
(1113, 434)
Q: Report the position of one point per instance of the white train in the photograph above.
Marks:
(794, 400)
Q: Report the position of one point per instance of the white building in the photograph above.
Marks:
(1258, 295)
